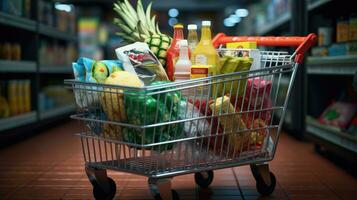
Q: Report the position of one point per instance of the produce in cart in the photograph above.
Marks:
(138, 25)
(112, 101)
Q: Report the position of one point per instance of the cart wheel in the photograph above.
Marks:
(99, 194)
(175, 196)
(202, 181)
(265, 189)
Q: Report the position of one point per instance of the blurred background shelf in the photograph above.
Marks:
(56, 69)
(17, 121)
(55, 33)
(317, 4)
(331, 134)
(56, 112)
(17, 66)
(18, 22)
(272, 26)
(334, 65)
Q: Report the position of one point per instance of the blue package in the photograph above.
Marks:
(89, 70)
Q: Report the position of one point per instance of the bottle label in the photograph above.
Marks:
(201, 59)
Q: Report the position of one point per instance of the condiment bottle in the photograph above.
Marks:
(205, 53)
(192, 36)
(174, 51)
(183, 64)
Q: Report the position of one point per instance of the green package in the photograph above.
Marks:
(142, 109)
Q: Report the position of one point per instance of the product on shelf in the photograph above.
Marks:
(353, 28)
(319, 51)
(14, 7)
(18, 97)
(146, 29)
(338, 114)
(325, 36)
(54, 54)
(342, 30)
(45, 12)
(54, 96)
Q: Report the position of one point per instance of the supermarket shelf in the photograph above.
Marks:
(57, 111)
(55, 33)
(17, 66)
(317, 4)
(55, 69)
(17, 21)
(272, 26)
(331, 134)
(17, 121)
(340, 65)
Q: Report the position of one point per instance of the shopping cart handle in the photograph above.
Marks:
(302, 43)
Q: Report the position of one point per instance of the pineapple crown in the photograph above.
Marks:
(135, 25)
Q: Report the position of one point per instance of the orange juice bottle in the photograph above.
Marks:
(205, 53)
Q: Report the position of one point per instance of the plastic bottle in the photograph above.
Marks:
(174, 51)
(183, 64)
(192, 36)
(205, 53)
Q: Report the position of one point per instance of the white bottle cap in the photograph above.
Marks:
(183, 43)
(206, 23)
(192, 27)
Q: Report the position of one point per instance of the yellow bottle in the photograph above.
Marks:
(205, 53)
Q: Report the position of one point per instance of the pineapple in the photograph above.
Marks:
(137, 25)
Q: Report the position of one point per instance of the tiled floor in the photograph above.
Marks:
(49, 166)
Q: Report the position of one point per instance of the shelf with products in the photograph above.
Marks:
(332, 134)
(57, 111)
(56, 69)
(332, 65)
(56, 33)
(17, 21)
(18, 120)
(17, 66)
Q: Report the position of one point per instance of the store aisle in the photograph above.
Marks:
(50, 166)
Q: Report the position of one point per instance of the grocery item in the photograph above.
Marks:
(319, 51)
(338, 114)
(138, 25)
(232, 125)
(192, 37)
(112, 101)
(12, 92)
(139, 54)
(86, 69)
(157, 108)
(205, 53)
(27, 95)
(342, 30)
(4, 108)
(325, 36)
(241, 45)
(235, 84)
(254, 54)
(183, 64)
(337, 49)
(353, 28)
(15, 51)
(174, 51)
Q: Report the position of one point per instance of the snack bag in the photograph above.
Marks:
(338, 114)
(139, 55)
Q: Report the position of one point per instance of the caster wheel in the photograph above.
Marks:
(99, 194)
(202, 181)
(175, 196)
(265, 189)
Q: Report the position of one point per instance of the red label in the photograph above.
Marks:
(199, 70)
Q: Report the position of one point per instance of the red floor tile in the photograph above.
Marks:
(50, 166)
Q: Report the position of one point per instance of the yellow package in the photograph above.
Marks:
(242, 45)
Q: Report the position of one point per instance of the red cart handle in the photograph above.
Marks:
(302, 43)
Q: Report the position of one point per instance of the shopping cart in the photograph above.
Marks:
(195, 126)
